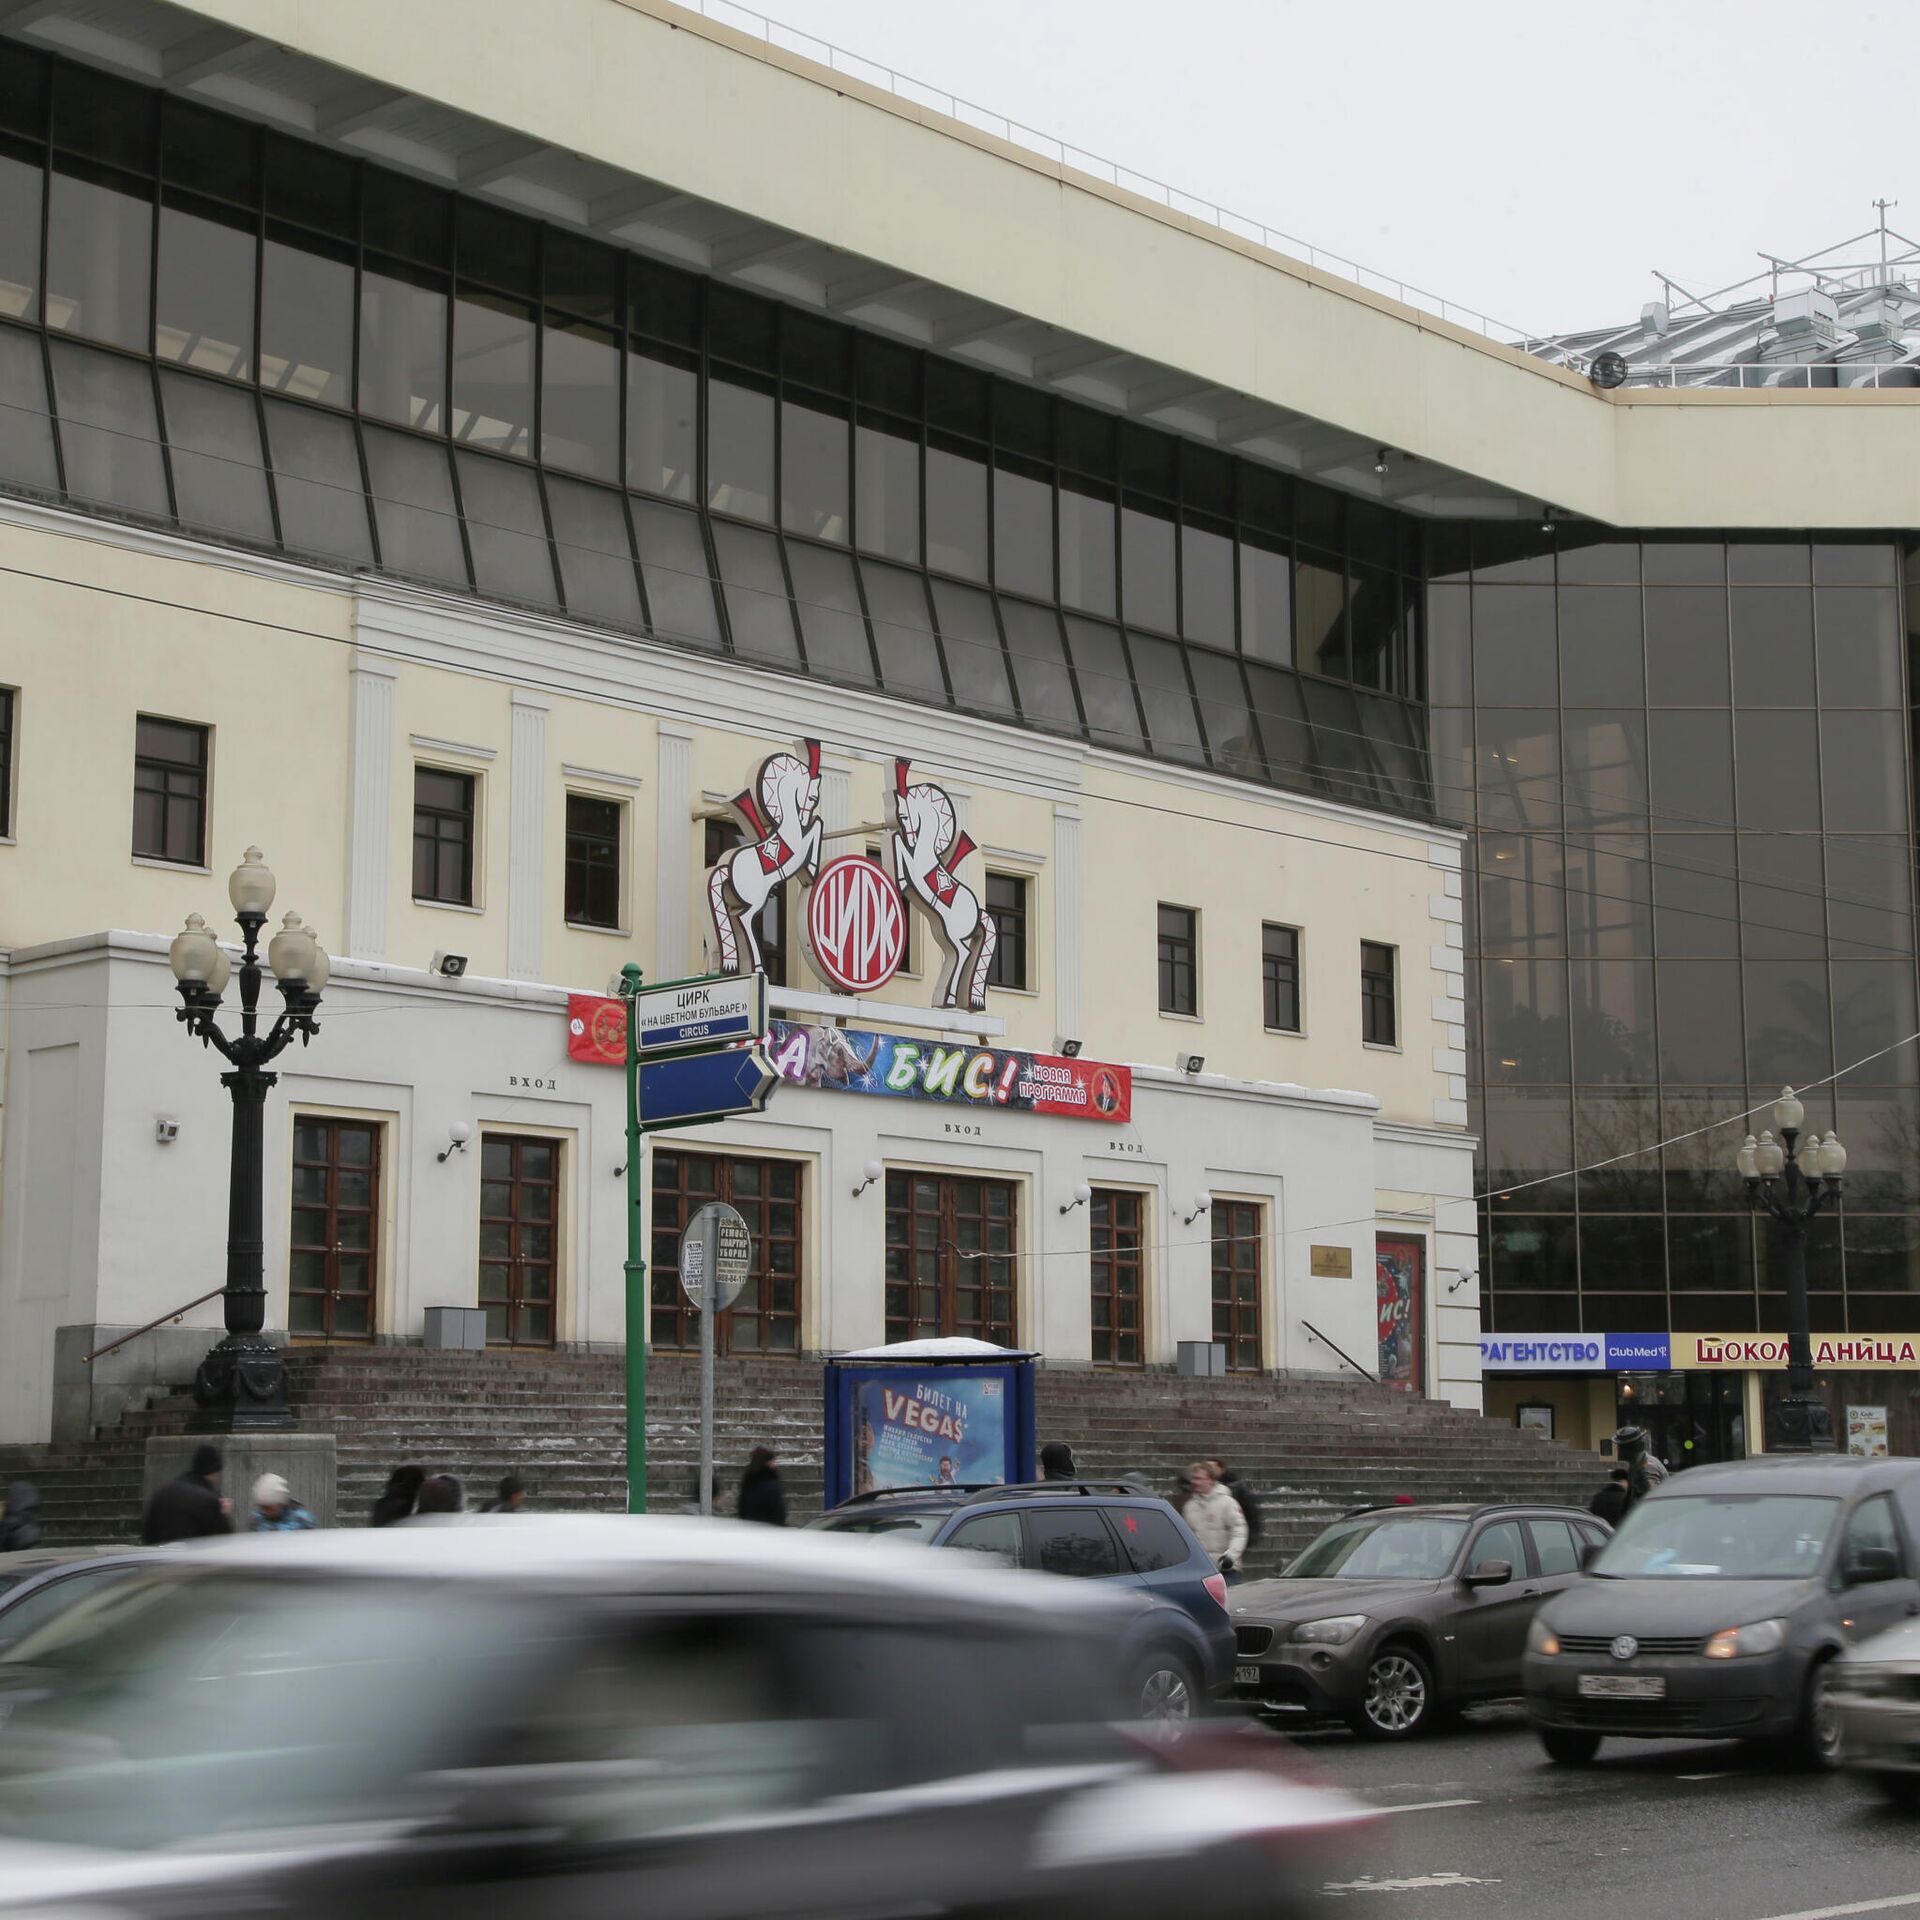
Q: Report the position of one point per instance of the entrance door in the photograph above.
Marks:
(1237, 1242)
(334, 1243)
(1400, 1271)
(519, 1222)
(951, 1259)
(1692, 1419)
(766, 1317)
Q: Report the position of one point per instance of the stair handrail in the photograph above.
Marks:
(174, 1318)
(1347, 1357)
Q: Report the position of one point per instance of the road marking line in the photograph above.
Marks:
(1427, 1806)
(1859, 1906)
(1727, 1775)
(1417, 1883)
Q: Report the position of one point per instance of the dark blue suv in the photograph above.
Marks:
(1182, 1652)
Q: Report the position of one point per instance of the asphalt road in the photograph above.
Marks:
(1476, 1823)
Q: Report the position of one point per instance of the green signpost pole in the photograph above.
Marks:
(630, 982)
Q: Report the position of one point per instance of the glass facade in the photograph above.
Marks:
(218, 328)
(1691, 882)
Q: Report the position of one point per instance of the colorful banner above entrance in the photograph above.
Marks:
(847, 1060)
(1687, 1352)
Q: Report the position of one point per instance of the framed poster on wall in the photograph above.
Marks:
(1534, 1417)
(1399, 1266)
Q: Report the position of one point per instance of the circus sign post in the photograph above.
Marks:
(856, 917)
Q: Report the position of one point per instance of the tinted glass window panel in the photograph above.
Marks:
(663, 426)
(493, 345)
(1781, 882)
(22, 183)
(1022, 532)
(1233, 741)
(1266, 602)
(1697, 911)
(1395, 735)
(1619, 1126)
(1172, 725)
(1320, 615)
(1779, 770)
(582, 276)
(1600, 658)
(1087, 550)
(306, 318)
(413, 507)
(1700, 1022)
(1881, 1128)
(208, 152)
(814, 485)
(102, 115)
(1106, 685)
(1772, 646)
(1675, 560)
(1611, 1013)
(1344, 765)
(1511, 551)
(742, 328)
(108, 432)
(956, 511)
(1373, 628)
(1770, 562)
(1858, 645)
(1533, 1254)
(886, 473)
(1040, 672)
(1789, 1020)
(831, 622)
(1707, 1255)
(1519, 769)
(1697, 1163)
(219, 479)
(739, 450)
(495, 247)
(1206, 585)
(1449, 646)
(590, 542)
(887, 374)
(26, 447)
(100, 256)
(1869, 896)
(1873, 1010)
(409, 219)
(403, 348)
(1691, 756)
(679, 582)
(756, 593)
(308, 184)
(1147, 574)
(1609, 896)
(1524, 1008)
(1598, 559)
(316, 472)
(1529, 1138)
(975, 661)
(1606, 770)
(1863, 768)
(580, 400)
(903, 633)
(205, 313)
(1523, 901)
(1621, 1251)
(1280, 713)
(1687, 657)
(506, 530)
(663, 302)
(1514, 646)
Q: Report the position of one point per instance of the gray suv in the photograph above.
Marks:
(1395, 1613)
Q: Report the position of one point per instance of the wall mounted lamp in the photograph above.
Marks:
(457, 1137)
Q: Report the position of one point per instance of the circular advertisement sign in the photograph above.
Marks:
(856, 924)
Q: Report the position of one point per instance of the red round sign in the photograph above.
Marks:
(856, 924)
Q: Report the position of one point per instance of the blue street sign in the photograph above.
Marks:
(703, 1086)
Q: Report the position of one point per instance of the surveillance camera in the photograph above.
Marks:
(1193, 1062)
(166, 1131)
(449, 966)
(1069, 1049)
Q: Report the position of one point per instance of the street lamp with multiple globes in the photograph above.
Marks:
(1793, 1186)
(242, 1383)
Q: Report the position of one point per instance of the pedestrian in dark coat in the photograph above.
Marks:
(20, 1518)
(403, 1489)
(189, 1507)
(441, 1494)
(511, 1497)
(1610, 1503)
(763, 1495)
(1056, 1461)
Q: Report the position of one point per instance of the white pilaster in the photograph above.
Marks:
(1066, 921)
(527, 835)
(672, 878)
(369, 807)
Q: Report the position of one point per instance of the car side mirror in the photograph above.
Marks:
(1491, 1573)
(1589, 1553)
(1870, 1565)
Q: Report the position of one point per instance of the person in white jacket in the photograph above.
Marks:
(1215, 1517)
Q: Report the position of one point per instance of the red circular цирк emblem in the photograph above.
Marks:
(856, 924)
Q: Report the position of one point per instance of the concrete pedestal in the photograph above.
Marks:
(309, 1463)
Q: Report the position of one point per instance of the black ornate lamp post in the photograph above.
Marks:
(242, 1383)
(1793, 1187)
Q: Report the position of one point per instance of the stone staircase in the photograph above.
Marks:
(1311, 1448)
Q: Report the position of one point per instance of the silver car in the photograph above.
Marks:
(1876, 1693)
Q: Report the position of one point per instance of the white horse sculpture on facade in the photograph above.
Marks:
(927, 845)
(781, 812)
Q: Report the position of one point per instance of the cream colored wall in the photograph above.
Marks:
(96, 633)
(671, 96)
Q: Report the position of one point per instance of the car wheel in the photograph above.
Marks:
(1166, 1690)
(1901, 1791)
(1568, 1747)
(1819, 1739)
(1398, 1701)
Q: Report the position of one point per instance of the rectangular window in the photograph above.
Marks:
(1280, 977)
(519, 1222)
(6, 762)
(334, 1238)
(1237, 1234)
(951, 1259)
(765, 1318)
(1118, 1267)
(723, 836)
(170, 791)
(593, 861)
(1179, 960)
(1007, 902)
(1378, 1026)
(443, 811)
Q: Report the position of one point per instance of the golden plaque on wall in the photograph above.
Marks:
(1332, 1263)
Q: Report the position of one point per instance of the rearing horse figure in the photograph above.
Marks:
(781, 811)
(927, 845)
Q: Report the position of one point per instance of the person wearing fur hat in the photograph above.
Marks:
(275, 1510)
(190, 1506)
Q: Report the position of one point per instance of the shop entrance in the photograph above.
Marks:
(1692, 1419)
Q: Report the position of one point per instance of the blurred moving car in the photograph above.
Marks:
(1719, 1608)
(40, 1583)
(1876, 1696)
(1175, 1658)
(541, 1718)
(1395, 1614)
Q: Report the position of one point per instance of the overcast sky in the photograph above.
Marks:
(1534, 162)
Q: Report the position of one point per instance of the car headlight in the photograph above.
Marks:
(1761, 1636)
(1334, 1631)
(1541, 1638)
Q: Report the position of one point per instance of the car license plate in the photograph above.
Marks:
(1623, 1686)
(1246, 1676)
